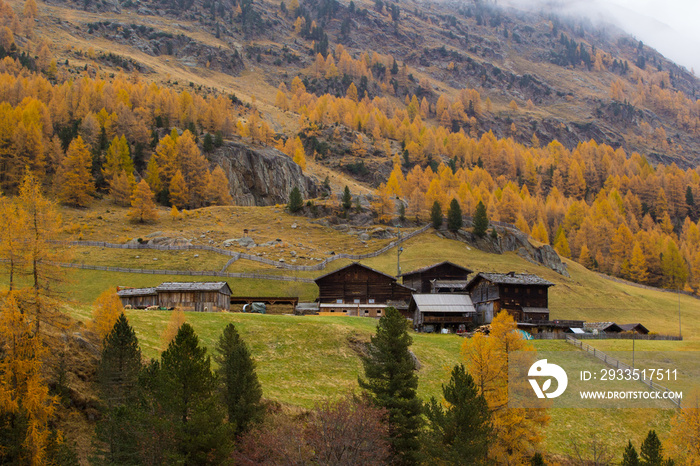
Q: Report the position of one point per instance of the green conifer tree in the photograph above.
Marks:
(459, 433)
(436, 215)
(652, 452)
(346, 200)
(239, 383)
(630, 457)
(296, 202)
(391, 382)
(454, 216)
(481, 220)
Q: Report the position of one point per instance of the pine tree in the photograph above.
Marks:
(296, 202)
(240, 388)
(481, 221)
(346, 200)
(436, 215)
(179, 194)
(143, 206)
(391, 382)
(74, 184)
(186, 389)
(652, 452)
(630, 457)
(118, 375)
(459, 433)
(454, 216)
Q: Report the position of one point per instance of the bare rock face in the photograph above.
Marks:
(261, 176)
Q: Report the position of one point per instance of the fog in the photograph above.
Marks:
(670, 26)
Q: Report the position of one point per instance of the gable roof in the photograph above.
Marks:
(192, 286)
(602, 326)
(429, 267)
(136, 292)
(510, 278)
(637, 326)
(354, 264)
(436, 302)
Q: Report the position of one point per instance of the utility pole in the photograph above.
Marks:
(399, 250)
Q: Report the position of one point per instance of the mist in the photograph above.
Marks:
(669, 26)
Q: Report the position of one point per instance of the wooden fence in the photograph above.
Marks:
(602, 336)
(239, 255)
(196, 273)
(612, 362)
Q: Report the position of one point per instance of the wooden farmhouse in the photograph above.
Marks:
(602, 327)
(435, 312)
(188, 296)
(358, 290)
(636, 328)
(444, 277)
(524, 296)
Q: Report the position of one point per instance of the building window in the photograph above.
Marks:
(366, 311)
(379, 312)
(339, 301)
(356, 301)
(371, 300)
(345, 311)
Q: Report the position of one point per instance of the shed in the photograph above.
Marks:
(195, 296)
(138, 298)
(575, 330)
(636, 328)
(439, 311)
(421, 280)
(605, 327)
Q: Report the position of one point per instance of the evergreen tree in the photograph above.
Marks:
(117, 376)
(436, 215)
(459, 433)
(454, 216)
(296, 202)
(630, 457)
(481, 220)
(186, 390)
(391, 383)
(402, 211)
(240, 387)
(652, 453)
(537, 460)
(208, 143)
(346, 200)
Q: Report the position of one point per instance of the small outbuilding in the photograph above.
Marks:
(602, 327)
(195, 296)
(636, 328)
(438, 278)
(138, 298)
(435, 312)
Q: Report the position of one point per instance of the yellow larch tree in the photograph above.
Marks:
(685, 432)
(12, 235)
(153, 175)
(177, 318)
(105, 312)
(121, 188)
(179, 195)
(143, 206)
(539, 232)
(75, 185)
(24, 394)
(117, 159)
(218, 190)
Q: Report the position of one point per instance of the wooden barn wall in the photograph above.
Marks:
(421, 281)
(362, 284)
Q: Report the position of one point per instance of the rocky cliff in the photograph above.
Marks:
(261, 176)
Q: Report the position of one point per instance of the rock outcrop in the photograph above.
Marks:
(261, 176)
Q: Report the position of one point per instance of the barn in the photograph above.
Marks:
(188, 296)
(522, 295)
(195, 296)
(358, 290)
(444, 277)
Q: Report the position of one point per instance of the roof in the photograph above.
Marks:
(435, 302)
(425, 269)
(192, 286)
(577, 330)
(511, 278)
(602, 326)
(535, 310)
(354, 264)
(136, 292)
(630, 327)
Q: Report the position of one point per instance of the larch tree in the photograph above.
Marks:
(12, 234)
(75, 184)
(685, 432)
(143, 206)
(239, 384)
(24, 395)
(121, 187)
(194, 168)
(390, 380)
(638, 265)
(117, 159)
(218, 191)
(179, 194)
(177, 318)
(106, 310)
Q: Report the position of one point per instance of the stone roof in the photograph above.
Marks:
(513, 278)
(136, 292)
(602, 326)
(352, 265)
(192, 286)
